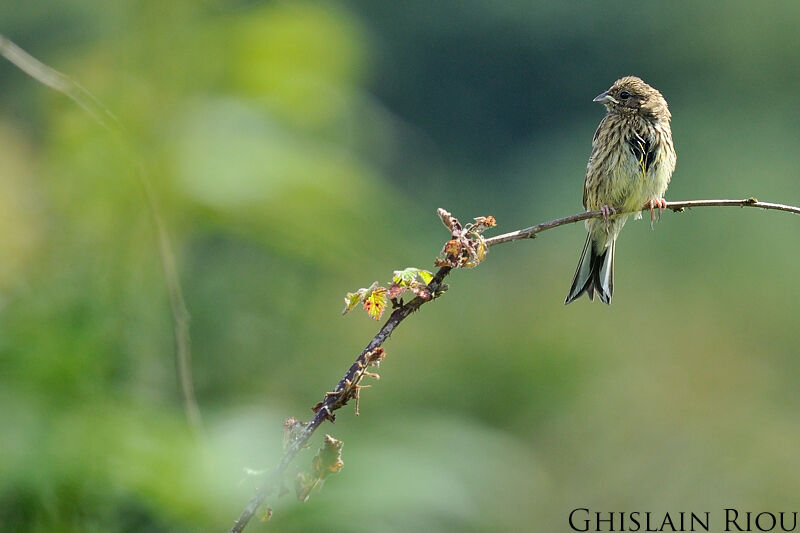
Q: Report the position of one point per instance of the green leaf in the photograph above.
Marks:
(375, 297)
(375, 302)
(425, 276)
(482, 249)
(350, 301)
(352, 298)
(405, 277)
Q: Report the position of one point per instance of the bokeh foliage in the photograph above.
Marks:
(299, 150)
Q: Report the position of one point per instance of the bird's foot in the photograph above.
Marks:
(607, 211)
(659, 203)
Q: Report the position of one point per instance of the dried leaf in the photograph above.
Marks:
(467, 248)
(482, 223)
(449, 221)
(452, 248)
(375, 357)
(421, 290)
(291, 430)
(327, 461)
(395, 291)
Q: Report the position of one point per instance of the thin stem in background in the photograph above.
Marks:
(102, 115)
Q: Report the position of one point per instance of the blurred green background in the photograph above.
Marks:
(298, 150)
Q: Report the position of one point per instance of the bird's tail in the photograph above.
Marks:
(595, 271)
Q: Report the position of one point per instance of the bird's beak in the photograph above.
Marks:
(605, 98)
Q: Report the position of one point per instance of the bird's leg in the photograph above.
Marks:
(607, 211)
(660, 203)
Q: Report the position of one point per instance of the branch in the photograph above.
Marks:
(334, 400)
(677, 207)
(343, 390)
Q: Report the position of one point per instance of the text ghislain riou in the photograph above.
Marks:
(583, 519)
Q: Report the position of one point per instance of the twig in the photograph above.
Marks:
(529, 233)
(331, 401)
(102, 115)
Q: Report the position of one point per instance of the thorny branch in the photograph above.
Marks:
(335, 399)
(466, 248)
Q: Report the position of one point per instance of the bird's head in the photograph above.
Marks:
(632, 96)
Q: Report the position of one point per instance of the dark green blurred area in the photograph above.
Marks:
(299, 150)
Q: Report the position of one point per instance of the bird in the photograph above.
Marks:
(629, 169)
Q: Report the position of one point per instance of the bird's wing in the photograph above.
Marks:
(642, 149)
(598, 160)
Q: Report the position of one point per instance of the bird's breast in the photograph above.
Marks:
(637, 167)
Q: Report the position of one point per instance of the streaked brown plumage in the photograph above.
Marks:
(630, 166)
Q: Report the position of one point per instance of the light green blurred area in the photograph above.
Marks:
(298, 151)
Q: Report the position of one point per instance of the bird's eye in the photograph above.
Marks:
(624, 95)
